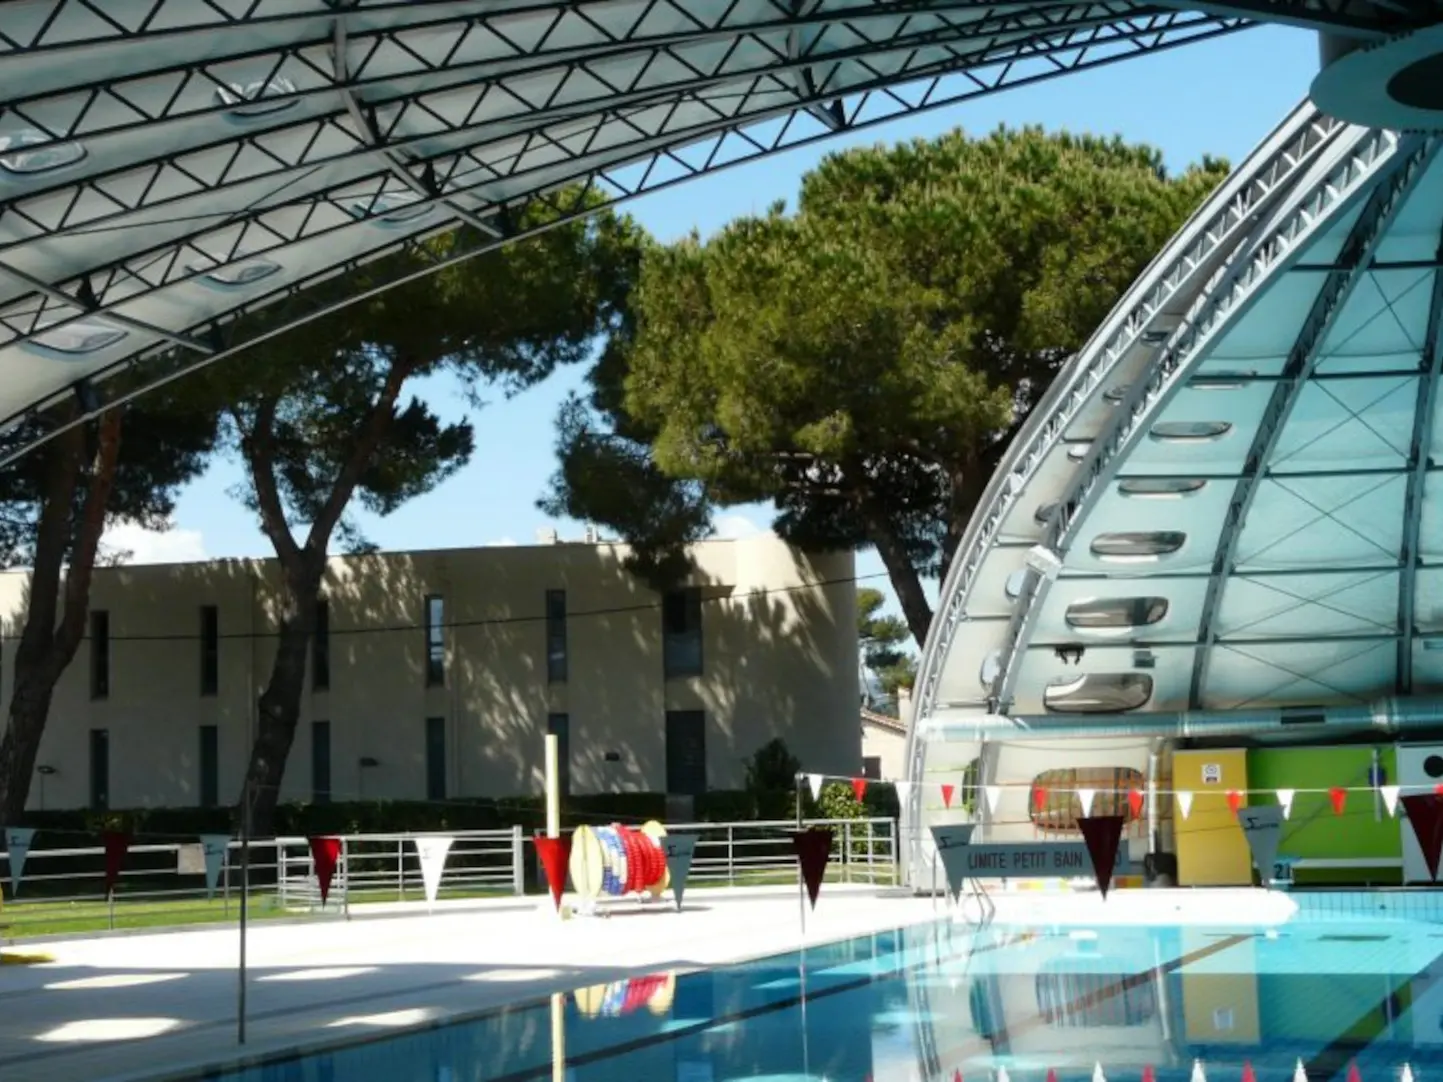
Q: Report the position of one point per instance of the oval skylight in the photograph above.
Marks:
(1161, 488)
(393, 208)
(1077, 451)
(261, 98)
(1144, 544)
(1044, 512)
(235, 275)
(1115, 394)
(1221, 380)
(80, 337)
(1097, 693)
(1015, 581)
(1101, 613)
(1190, 431)
(29, 151)
(991, 666)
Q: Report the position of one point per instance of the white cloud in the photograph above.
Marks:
(500, 543)
(735, 527)
(131, 543)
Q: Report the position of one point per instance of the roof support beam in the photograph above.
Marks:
(1430, 360)
(1378, 213)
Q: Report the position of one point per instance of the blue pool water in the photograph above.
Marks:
(922, 1004)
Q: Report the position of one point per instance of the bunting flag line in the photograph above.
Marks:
(1285, 801)
(325, 855)
(1339, 797)
(1235, 800)
(993, 793)
(431, 852)
(213, 848)
(679, 849)
(1103, 836)
(904, 790)
(1039, 797)
(951, 841)
(1390, 798)
(1249, 1075)
(815, 782)
(117, 843)
(947, 791)
(1300, 1073)
(17, 845)
(859, 788)
(1148, 1074)
(555, 855)
(1134, 802)
(1198, 1074)
(1425, 814)
(1085, 798)
(814, 850)
(1097, 1075)
(1407, 1073)
(1184, 801)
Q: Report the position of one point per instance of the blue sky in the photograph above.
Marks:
(1218, 98)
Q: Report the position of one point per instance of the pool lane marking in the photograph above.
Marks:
(1333, 1058)
(1091, 999)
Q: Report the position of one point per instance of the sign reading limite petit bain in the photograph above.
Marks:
(1039, 860)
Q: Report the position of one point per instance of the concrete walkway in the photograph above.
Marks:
(142, 1006)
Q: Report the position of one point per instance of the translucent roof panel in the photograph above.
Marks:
(166, 165)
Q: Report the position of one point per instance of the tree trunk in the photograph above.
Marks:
(55, 618)
(279, 709)
(904, 577)
(967, 486)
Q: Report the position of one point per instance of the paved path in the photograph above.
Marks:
(134, 1006)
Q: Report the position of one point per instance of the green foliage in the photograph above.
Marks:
(882, 640)
(863, 362)
(772, 768)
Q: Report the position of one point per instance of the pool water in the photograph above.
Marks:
(1348, 1000)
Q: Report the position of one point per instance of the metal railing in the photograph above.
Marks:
(163, 885)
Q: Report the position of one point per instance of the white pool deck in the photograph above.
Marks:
(142, 1006)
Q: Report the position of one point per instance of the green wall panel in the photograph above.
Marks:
(1313, 830)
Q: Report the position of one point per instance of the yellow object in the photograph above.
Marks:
(1211, 848)
(1220, 1008)
(24, 959)
(656, 832)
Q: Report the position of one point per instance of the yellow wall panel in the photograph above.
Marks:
(1211, 849)
(1221, 1007)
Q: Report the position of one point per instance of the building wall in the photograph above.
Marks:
(779, 658)
(888, 746)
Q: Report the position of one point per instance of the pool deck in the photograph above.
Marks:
(165, 1004)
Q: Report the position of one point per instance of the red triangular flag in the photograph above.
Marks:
(1339, 797)
(1235, 800)
(555, 855)
(1248, 1075)
(1438, 789)
(1148, 1074)
(814, 850)
(1103, 836)
(947, 791)
(1353, 1075)
(957, 1075)
(326, 854)
(1134, 801)
(1052, 1074)
(116, 844)
(1039, 797)
(859, 788)
(1425, 812)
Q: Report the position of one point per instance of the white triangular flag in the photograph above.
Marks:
(903, 789)
(1300, 1073)
(1002, 1075)
(1097, 1075)
(994, 796)
(214, 848)
(1390, 801)
(432, 854)
(815, 781)
(1285, 798)
(1406, 1074)
(1198, 1075)
(1084, 797)
(17, 844)
(1184, 801)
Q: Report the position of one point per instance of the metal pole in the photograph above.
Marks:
(802, 898)
(799, 801)
(245, 860)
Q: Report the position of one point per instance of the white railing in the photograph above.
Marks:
(163, 885)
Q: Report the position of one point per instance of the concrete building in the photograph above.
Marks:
(436, 674)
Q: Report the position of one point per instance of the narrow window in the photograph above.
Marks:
(1189, 431)
(556, 636)
(209, 649)
(209, 766)
(559, 726)
(99, 769)
(100, 654)
(321, 762)
(1115, 612)
(321, 648)
(435, 758)
(1137, 545)
(681, 632)
(686, 752)
(872, 767)
(435, 641)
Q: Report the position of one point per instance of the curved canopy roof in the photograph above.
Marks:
(1232, 496)
(167, 164)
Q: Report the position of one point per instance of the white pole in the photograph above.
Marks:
(558, 1030)
(553, 788)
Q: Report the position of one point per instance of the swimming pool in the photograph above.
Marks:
(1345, 998)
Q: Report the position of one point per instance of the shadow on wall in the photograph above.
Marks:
(778, 659)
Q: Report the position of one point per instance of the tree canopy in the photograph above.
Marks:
(883, 641)
(863, 361)
(320, 417)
